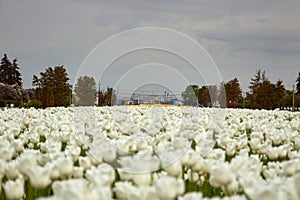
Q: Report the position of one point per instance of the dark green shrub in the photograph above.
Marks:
(35, 103)
(247, 104)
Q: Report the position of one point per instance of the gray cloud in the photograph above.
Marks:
(239, 35)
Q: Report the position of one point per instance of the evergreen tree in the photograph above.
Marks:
(5, 70)
(269, 95)
(255, 83)
(61, 89)
(53, 88)
(9, 72)
(264, 95)
(233, 90)
(15, 74)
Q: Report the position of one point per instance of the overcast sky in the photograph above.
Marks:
(240, 36)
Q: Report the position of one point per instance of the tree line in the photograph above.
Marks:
(86, 93)
(52, 88)
(262, 94)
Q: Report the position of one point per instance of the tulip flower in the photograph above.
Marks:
(14, 189)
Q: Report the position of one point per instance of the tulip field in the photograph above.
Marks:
(149, 152)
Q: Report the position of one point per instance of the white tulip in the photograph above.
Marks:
(148, 193)
(200, 165)
(297, 143)
(103, 193)
(50, 146)
(103, 149)
(169, 187)
(191, 196)
(174, 169)
(231, 188)
(34, 138)
(14, 189)
(188, 158)
(18, 145)
(297, 164)
(125, 190)
(217, 154)
(54, 171)
(124, 175)
(73, 151)
(43, 159)
(26, 161)
(77, 172)
(264, 194)
(11, 170)
(6, 150)
(141, 162)
(97, 178)
(65, 167)
(230, 149)
(95, 159)
(79, 189)
(272, 153)
(82, 139)
(289, 168)
(220, 175)
(224, 140)
(39, 177)
(283, 150)
(142, 179)
(10, 136)
(84, 162)
(106, 169)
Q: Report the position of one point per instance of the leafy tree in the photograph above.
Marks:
(233, 90)
(9, 72)
(264, 95)
(269, 95)
(85, 90)
(45, 95)
(207, 96)
(7, 92)
(106, 98)
(53, 88)
(190, 95)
